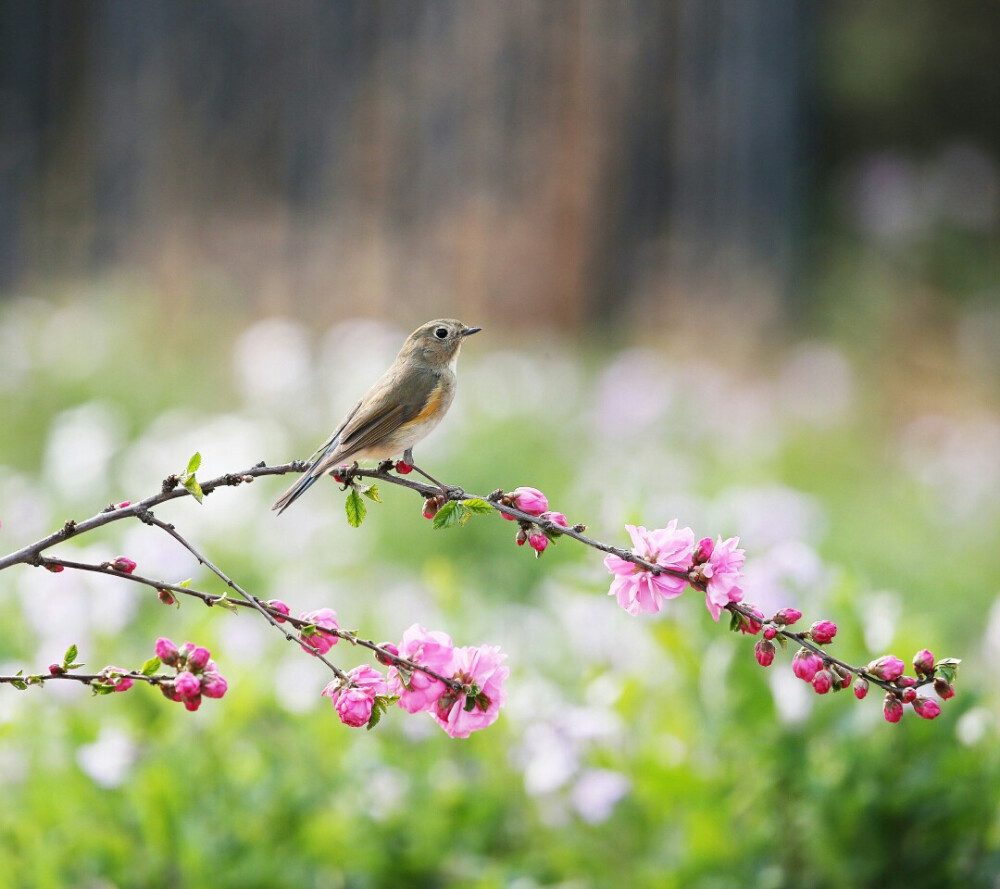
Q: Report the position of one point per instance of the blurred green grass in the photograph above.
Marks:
(645, 752)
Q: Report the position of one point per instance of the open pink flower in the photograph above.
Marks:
(482, 669)
(433, 649)
(723, 575)
(323, 617)
(638, 589)
(354, 706)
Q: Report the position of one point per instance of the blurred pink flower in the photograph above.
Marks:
(354, 706)
(213, 685)
(753, 625)
(538, 541)
(432, 649)
(638, 589)
(166, 651)
(926, 708)
(723, 575)
(198, 658)
(323, 617)
(892, 709)
(482, 669)
(187, 684)
(278, 605)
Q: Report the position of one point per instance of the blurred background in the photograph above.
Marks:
(737, 264)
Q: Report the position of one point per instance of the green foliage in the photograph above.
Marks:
(356, 509)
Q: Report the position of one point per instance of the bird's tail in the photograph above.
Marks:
(294, 492)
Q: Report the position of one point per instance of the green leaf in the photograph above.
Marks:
(102, 689)
(227, 603)
(376, 716)
(151, 666)
(193, 488)
(782, 641)
(70, 656)
(478, 506)
(356, 509)
(735, 621)
(452, 513)
(194, 463)
(371, 492)
(19, 684)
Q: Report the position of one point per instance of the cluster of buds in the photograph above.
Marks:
(940, 675)
(535, 503)
(197, 674)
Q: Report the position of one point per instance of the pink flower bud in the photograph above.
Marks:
(860, 687)
(703, 551)
(538, 541)
(906, 682)
(167, 652)
(198, 658)
(909, 696)
(888, 668)
(892, 709)
(944, 688)
(522, 536)
(56, 669)
(326, 618)
(381, 658)
(923, 662)
(557, 518)
(278, 605)
(806, 664)
(764, 652)
(529, 500)
(213, 685)
(169, 692)
(823, 631)
(787, 616)
(192, 704)
(750, 626)
(770, 632)
(354, 706)
(822, 682)
(123, 564)
(123, 504)
(403, 468)
(926, 708)
(431, 507)
(55, 569)
(166, 597)
(187, 684)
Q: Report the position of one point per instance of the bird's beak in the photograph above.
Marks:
(470, 330)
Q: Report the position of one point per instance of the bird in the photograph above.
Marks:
(398, 411)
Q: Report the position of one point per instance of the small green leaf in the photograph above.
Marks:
(782, 641)
(478, 506)
(356, 509)
(70, 656)
(193, 488)
(483, 701)
(227, 603)
(371, 492)
(735, 621)
(194, 463)
(151, 666)
(452, 513)
(376, 716)
(308, 630)
(19, 684)
(101, 688)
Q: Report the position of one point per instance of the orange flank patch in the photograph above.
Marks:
(430, 409)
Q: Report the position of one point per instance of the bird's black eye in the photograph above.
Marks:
(441, 333)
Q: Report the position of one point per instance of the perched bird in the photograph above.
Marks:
(403, 406)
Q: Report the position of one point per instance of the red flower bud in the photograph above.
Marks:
(823, 631)
(909, 696)
(522, 537)
(892, 709)
(923, 662)
(926, 708)
(703, 552)
(55, 569)
(403, 468)
(123, 564)
(787, 616)
(944, 688)
(56, 669)
(381, 658)
(538, 542)
(822, 682)
(166, 597)
(860, 687)
(764, 652)
(278, 605)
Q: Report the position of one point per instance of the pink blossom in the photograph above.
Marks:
(557, 518)
(703, 551)
(198, 658)
(124, 683)
(909, 696)
(823, 631)
(323, 617)
(860, 687)
(169, 692)
(354, 706)
(187, 684)
(481, 670)
(166, 651)
(192, 703)
(636, 588)
(538, 541)
(926, 708)
(787, 616)
(279, 606)
(906, 681)
(529, 500)
(56, 669)
(888, 667)
(365, 677)
(750, 626)
(723, 576)
(822, 682)
(892, 709)
(385, 659)
(764, 652)
(432, 649)
(770, 632)
(806, 664)
(213, 685)
(923, 662)
(123, 564)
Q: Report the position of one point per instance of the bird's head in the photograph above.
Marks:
(437, 342)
